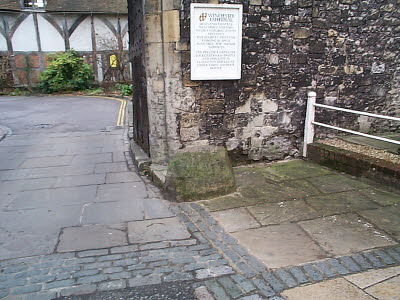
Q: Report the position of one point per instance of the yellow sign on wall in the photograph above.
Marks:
(113, 61)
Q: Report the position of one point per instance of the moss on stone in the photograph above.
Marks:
(200, 174)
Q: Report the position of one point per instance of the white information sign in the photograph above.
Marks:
(216, 41)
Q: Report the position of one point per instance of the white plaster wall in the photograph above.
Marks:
(113, 20)
(81, 39)
(50, 38)
(105, 38)
(3, 43)
(24, 38)
(125, 40)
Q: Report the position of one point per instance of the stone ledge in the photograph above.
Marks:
(355, 163)
(140, 158)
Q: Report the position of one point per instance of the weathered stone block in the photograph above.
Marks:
(298, 59)
(151, 6)
(377, 68)
(332, 32)
(255, 2)
(189, 120)
(188, 82)
(189, 134)
(171, 28)
(181, 46)
(212, 106)
(273, 59)
(352, 69)
(305, 3)
(152, 28)
(327, 70)
(171, 4)
(200, 173)
(154, 59)
(301, 33)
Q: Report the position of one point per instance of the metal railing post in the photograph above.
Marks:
(309, 126)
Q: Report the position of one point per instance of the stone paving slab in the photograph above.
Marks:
(28, 243)
(130, 191)
(156, 230)
(382, 197)
(283, 212)
(90, 237)
(387, 218)
(227, 202)
(388, 289)
(40, 219)
(90, 159)
(281, 191)
(112, 212)
(344, 234)
(236, 219)
(80, 180)
(343, 202)
(122, 177)
(337, 289)
(154, 209)
(41, 162)
(53, 198)
(337, 183)
(14, 186)
(297, 169)
(281, 245)
(366, 279)
(10, 164)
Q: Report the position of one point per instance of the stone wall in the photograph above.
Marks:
(344, 50)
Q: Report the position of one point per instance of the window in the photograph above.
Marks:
(35, 4)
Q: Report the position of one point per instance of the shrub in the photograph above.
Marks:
(19, 92)
(125, 89)
(66, 72)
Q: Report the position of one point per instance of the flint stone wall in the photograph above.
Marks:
(346, 51)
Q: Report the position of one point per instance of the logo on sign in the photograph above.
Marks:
(203, 17)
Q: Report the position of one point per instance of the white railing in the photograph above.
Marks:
(310, 123)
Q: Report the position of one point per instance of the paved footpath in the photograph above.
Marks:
(76, 218)
(78, 222)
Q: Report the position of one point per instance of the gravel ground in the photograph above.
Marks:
(366, 150)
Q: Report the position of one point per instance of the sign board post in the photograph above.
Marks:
(216, 41)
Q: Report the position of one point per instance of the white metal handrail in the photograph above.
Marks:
(357, 112)
(310, 123)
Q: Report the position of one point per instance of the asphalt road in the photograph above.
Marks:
(47, 114)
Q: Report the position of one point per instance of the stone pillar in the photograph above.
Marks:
(163, 71)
